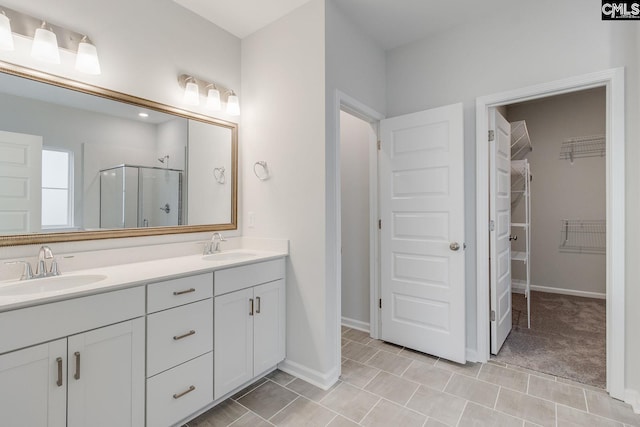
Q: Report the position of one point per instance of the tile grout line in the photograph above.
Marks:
(462, 413)
(586, 401)
(284, 407)
(495, 405)
(371, 409)
(406, 369)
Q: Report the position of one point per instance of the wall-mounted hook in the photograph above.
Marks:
(218, 174)
(264, 175)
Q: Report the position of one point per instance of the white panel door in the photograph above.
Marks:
(268, 326)
(232, 340)
(422, 236)
(106, 376)
(500, 214)
(33, 386)
(20, 183)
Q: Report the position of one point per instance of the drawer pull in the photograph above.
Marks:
(179, 395)
(59, 362)
(258, 305)
(77, 374)
(188, 334)
(186, 291)
(251, 311)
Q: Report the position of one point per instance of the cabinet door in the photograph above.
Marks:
(233, 341)
(269, 326)
(33, 388)
(106, 376)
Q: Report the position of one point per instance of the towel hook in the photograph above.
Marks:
(218, 174)
(265, 175)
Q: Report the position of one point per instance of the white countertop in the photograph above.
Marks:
(129, 275)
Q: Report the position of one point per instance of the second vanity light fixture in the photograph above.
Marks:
(214, 93)
(45, 45)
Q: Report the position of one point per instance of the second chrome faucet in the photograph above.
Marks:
(213, 246)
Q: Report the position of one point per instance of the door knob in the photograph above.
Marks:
(454, 246)
(513, 238)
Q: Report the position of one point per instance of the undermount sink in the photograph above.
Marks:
(229, 256)
(49, 284)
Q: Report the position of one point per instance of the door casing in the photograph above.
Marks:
(613, 81)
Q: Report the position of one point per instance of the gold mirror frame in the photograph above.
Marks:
(40, 238)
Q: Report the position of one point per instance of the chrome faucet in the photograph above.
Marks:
(41, 269)
(213, 246)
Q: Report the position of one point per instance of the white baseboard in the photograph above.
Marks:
(519, 287)
(356, 324)
(632, 397)
(318, 379)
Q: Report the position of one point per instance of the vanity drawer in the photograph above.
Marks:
(172, 293)
(177, 335)
(233, 279)
(179, 392)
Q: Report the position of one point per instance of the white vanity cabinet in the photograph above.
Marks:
(179, 348)
(88, 378)
(249, 323)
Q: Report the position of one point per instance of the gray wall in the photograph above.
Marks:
(354, 183)
(561, 190)
(524, 44)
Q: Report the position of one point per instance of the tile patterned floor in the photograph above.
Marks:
(386, 385)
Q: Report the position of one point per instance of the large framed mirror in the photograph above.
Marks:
(79, 162)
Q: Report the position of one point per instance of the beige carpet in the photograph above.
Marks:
(566, 339)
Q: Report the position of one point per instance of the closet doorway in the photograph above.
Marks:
(357, 217)
(548, 201)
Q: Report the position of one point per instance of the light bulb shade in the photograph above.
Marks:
(213, 99)
(45, 46)
(233, 105)
(6, 38)
(191, 94)
(87, 59)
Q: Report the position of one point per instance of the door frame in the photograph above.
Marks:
(613, 81)
(348, 104)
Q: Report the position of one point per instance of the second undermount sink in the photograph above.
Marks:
(49, 284)
(230, 256)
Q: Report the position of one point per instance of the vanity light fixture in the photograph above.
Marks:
(213, 98)
(192, 88)
(191, 92)
(45, 45)
(48, 40)
(6, 38)
(87, 57)
(233, 105)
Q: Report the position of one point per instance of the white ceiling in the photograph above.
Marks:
(241, 17)
(390, 23)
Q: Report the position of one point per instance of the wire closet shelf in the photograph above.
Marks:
(584, 146)
(580, 236)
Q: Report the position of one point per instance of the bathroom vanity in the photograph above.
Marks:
(153, 343)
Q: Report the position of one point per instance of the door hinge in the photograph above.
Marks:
(492, 225)
(380, 303)
(492, 135)
(493, 315)
(379, 224)
(379, 145)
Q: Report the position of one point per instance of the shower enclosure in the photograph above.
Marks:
(140, 196)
